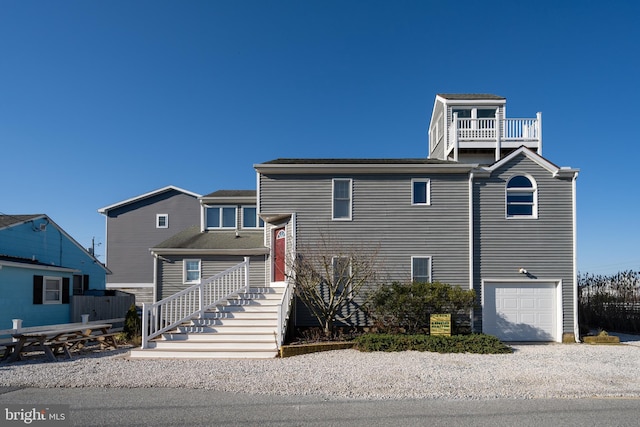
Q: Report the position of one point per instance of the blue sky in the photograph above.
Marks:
(101, 101)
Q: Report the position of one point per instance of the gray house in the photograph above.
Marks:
(135, 225)
(483, 211)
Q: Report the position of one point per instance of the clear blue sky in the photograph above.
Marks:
(101, 101)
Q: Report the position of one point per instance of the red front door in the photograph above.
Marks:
(279, 238)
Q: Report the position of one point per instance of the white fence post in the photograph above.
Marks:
(17, 325)
(145, 325)
(246, 272)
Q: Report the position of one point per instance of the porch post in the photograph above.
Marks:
(499, 122)
(455, 137)
(246, 272)
(539, 122)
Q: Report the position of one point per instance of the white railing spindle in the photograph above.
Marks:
(193, 301)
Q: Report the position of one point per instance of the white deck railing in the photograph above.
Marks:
(284, 311)
(170, 312)
(511, 130)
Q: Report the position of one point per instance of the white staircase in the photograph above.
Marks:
(243, 326)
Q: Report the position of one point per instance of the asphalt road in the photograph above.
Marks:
(187, 407)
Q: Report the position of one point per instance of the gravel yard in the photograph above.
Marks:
(532, 371)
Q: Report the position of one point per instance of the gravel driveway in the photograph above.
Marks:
(532, 371)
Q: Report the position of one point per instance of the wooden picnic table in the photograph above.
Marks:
(57, 340)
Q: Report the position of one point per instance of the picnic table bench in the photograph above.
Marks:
(58, 340)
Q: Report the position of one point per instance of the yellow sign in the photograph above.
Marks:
(440, 324)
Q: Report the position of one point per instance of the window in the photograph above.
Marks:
(221, 217)
(191, 273)
(80, 283)
(250, 218)
(420, 192)
(341, 273)
(477, 118)
(342, 199)
(521, 197)
(52, 290)
(421, 269)
(162, 221)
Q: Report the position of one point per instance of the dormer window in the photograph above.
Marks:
(221, 217)
(250, 218)
(522, 200)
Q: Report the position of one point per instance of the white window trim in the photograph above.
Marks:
(184, 271)
(220, 208)
(258, 219)
(428, 198)
(430, 258)
(333, 260)
(44, 290)
(534, 210)
(333, 199)
(166, 220)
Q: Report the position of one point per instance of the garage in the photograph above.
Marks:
(521, 311)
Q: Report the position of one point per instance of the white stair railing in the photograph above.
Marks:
(284, 311)
(193, 301)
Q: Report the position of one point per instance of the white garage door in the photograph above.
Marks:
(520, 312)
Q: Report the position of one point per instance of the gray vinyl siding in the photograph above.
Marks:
(382, 214)
(132, 231)
(543, 246)
(170, 279)
(438, 149)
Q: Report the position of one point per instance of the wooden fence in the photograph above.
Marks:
(101, 305)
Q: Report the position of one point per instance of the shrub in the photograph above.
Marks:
(132, 323)
(474, 343)
(408, 307)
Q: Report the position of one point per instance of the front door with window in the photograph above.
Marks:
(279, 246)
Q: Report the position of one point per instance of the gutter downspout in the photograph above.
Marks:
(471, 274)
(576, 327)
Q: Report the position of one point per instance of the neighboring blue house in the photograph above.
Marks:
(41, 267)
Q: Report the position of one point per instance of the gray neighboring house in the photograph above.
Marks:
(135, 225)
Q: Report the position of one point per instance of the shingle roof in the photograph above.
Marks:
(418, 161)
(8, 220)
(470, 96)
(145, 196)
(232, 193)
(193, 238)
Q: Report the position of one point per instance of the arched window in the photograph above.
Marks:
(521, 197)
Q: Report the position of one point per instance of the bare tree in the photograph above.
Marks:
(330, 275)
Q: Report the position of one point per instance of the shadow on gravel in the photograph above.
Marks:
(89, 352)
